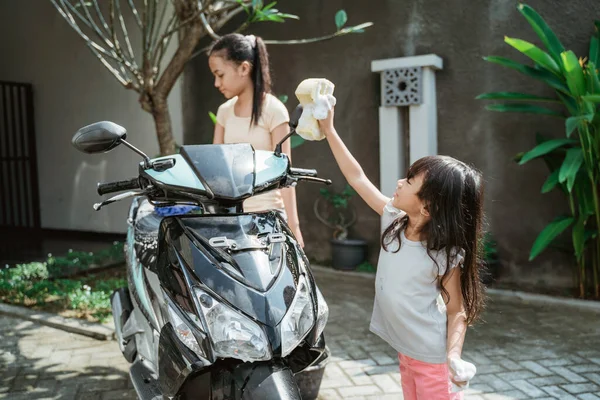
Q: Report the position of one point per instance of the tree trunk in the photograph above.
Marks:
(162, 121)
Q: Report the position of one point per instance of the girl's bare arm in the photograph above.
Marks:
(351, 169)
(457, 317)
(219, 135)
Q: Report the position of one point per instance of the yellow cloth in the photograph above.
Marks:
(238, 130)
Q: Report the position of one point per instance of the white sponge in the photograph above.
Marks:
(316, 97)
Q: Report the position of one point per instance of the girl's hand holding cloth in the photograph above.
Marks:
(316, 97)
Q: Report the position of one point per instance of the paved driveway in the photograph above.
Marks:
(523, 351)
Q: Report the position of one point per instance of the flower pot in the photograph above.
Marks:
(348, 254)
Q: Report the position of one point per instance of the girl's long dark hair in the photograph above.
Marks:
(453, 194)
(239, 48)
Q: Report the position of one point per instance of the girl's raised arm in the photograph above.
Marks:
(351, 169)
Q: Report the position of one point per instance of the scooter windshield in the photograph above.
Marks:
(228, 170)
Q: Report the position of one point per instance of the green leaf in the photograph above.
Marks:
(514, 96)
(594, 98)
(573, 73)
(551, 182)
(213, 117)
(544, 148)
(568, 102)
(570, 167)
(296, 141)
(538, 55)
(578, 235)
(573, 122)
(541, 74)
(592, 78)
(273, 18)
(523, 108)
(268, 7)
(549, 233)
(543, 31)
(585, 195)
(340, 19)
(244, 6)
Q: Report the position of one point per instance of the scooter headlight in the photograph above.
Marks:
(233, 335)
(184, 332)
(299, 319)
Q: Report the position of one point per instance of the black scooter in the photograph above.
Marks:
(220, 304)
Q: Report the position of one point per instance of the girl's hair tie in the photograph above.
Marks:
(251, 39)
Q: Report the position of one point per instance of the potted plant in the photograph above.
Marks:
(339, 215)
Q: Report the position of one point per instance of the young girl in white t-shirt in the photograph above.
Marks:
(252, 114)
(427, 285)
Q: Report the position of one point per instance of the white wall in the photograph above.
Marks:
(72, 89)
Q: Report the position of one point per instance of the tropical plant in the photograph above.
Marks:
(146, 70)
(340, 215)
(574, 159)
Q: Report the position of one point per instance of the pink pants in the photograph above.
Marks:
(425, 381)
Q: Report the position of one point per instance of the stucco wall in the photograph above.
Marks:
(72, 89)
(460, 32)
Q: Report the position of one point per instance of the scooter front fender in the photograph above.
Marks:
(176, 363)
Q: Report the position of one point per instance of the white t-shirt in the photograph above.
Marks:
(409, 312)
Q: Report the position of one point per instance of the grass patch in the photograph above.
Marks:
(46, 286)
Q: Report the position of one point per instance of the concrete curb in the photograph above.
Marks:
(513, 295)
(544, 299)
(80, 327)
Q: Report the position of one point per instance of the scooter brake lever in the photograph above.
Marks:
(119, 197)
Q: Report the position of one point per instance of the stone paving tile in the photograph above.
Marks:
(522, 351)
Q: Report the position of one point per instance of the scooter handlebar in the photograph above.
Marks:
(111, 187)
(303, 172)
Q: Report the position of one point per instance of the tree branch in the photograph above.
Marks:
(98, 50)
(219, 25)
(341, 32)
(100, 16)
(71, 10)
(180, 58)
(135, 13)
(123, 61)
(154, 41)
(208, 28)
(125, 34)
(125, 82)
(163, 43)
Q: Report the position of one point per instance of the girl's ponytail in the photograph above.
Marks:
(261, 77)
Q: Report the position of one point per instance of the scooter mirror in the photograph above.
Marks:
(295, 116)
(99, 137)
